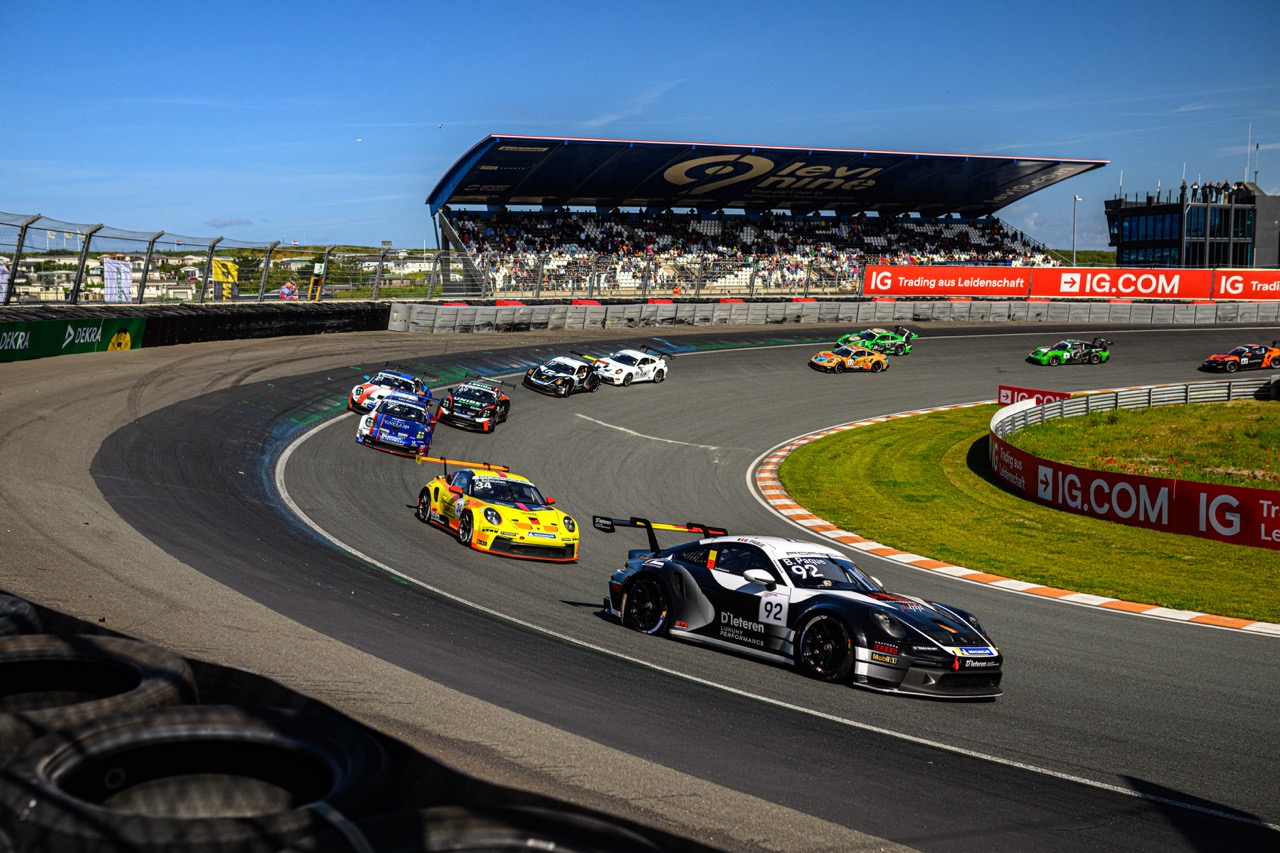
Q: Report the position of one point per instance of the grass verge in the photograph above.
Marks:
(923, 484)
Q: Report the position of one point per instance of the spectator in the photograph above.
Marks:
(289, 290)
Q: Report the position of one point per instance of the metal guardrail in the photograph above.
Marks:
(1217, 391)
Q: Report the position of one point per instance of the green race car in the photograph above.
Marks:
(897, 342)
(1072, 351)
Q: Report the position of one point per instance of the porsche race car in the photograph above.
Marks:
(632, 365)
(400, 423)
(841, 359)
(392, 377)
(896, 342)
(562, 376)
(1245, 357)
(490, 509)
(478, 404)
(800, 604)
(1072, 351)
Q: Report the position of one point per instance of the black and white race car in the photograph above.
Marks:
(800, 604)
(477, 403)
(632, 365)
(562, 376)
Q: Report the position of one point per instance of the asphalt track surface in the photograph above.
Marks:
(141, 488)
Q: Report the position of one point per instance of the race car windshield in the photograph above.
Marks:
(844, 351)
(824, 572)
(473, 395)
(563, 367)
(1062, 345)
(403, 411)
(1239, 351)
(391, 381)
(868, 335)
(494, 490)
(623, 358)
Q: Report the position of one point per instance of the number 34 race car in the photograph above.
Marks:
(800, 604)
(490, 509)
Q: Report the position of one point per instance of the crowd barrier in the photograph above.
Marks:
(1234, 514)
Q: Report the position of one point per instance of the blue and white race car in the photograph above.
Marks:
(392, 377)
(399, 424)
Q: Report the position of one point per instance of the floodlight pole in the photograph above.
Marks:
(1075, 202)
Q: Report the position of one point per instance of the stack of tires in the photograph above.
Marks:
(104, 746)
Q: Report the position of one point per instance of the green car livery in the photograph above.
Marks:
(1072, 351)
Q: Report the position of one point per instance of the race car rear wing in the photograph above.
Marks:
(608, 525)
(478, 377)
(584, 356)
(667, 355)
(461, 463)
(1102, 342)
(412, 371)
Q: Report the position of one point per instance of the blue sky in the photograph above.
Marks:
(328, 122)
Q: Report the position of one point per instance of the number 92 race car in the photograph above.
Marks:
(490, 509)
(800, 604)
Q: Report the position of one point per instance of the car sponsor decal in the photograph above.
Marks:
(886, 648)
(541, 535)
(741, 630)
(773, 608)
(711, 559)
(890, 659)
(975, 651)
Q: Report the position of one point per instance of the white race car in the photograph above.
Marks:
(393, 377)
(632, 365)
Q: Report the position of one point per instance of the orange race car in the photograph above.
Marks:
(1244, 357)
(841, 359)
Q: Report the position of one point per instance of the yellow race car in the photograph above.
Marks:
(841, 359)
(490, 509)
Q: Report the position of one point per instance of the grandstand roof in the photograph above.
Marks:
(556, 171)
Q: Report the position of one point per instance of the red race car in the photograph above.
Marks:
(1244, 357)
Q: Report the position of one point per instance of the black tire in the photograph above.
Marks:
(195, 778)
(504, 411)
(838, 368)
(52, 681)
(1055, 360)
(18, 616)
(1095, 358)
(877, 366)
(489, 828)
(824, 648)
(466, 528)
(1233, 366)
(900, 349)
(592, 383)
(626, 380)
(563, 389)
(659, 375)
(645, 607)
(423, 508)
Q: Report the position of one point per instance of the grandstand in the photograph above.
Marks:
(531, 214)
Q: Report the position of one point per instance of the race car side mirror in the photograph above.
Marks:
(455, 490)
(761, 576)
(550, 501)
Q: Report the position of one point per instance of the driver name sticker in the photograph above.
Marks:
(773, 608)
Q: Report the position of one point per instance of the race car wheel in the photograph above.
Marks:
(1094, 358)
(660, 375)
(626, 380)
(1054, 360)
(825, 648)
(562, 390)
(876, 367)
(503, 412)
(423, 509)
(1233, 366)
(593, 382)
(899, 350)
(839, 368)
(466, 528)
(645, 607)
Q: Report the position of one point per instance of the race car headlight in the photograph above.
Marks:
(889, 625)
(569, 524)
(422, 433)
(445, 404)
(367, 423)
(491, 515)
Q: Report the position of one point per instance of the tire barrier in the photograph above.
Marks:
(49, 682)
(17, 616)
(449, 828)
(191, 779)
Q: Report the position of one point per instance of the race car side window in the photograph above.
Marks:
(737, 559)
(694, 555)
(461, 479)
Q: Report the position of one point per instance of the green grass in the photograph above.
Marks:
(923, 484)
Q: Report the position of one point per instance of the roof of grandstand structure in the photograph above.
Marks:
(554, 171)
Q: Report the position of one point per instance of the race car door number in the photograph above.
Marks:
(773, 608)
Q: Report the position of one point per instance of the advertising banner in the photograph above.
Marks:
(42, 338)
(1253, 285)
(1097, 282)
(117, 280)
(1241, 516)
(1006, 282)
(1013, 394)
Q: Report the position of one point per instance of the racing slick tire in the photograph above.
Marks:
(900, 349)
(876, 367)
(503, 412)
(659, 375)
(839, 367)
(466, 528)
(18, 616)
(645, 606)
(824, 648)
(592, 383)
(1054, 360)
(423, 508)
(626, 380)
(1094, 358)
(192, 778)
(1232, 366)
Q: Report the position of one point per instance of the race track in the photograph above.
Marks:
(187, 445)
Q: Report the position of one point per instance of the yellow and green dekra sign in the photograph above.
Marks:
(42, 338)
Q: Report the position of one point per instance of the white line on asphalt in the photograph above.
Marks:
(649, 437)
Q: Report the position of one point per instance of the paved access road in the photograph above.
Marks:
(173, 531)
